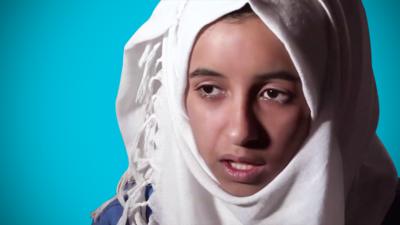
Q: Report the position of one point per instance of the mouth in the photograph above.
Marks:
(240, 166)
(242, 170)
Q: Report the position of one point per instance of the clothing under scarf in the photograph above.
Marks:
(341, 175)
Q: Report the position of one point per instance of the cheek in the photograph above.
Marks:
(287, 128)
(205, 123)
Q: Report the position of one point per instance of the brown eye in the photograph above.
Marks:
(210, 91)
(275, 95)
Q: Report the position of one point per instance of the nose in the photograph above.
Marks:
(244, 128)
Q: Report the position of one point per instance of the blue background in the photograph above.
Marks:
(60, 62)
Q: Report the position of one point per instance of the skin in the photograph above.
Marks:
(245, 104)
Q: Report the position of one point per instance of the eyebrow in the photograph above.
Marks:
(205, 72)
(283, 75)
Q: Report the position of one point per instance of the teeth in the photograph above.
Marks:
(241, 166)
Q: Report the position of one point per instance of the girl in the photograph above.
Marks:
(251, 112)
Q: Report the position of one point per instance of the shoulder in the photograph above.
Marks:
(393, 215)
(110, 214)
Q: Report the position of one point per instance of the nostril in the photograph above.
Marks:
(261, 142)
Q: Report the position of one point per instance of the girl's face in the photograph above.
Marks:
(245, 104)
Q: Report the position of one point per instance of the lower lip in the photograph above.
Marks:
(242, 176)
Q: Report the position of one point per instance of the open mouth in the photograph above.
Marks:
(240, 166)
(242, 171)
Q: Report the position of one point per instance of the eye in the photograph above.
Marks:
(276, 95)
(210, 91)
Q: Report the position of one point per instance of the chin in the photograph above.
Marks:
(241, 189)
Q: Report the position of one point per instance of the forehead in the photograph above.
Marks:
(245, 46)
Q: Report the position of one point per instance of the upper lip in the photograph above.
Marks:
(243, 159)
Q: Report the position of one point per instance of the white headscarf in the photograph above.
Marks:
(341, 175)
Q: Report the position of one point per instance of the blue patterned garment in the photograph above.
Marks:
(113, 211)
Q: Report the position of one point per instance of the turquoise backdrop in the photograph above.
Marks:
(60, 62)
